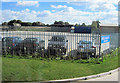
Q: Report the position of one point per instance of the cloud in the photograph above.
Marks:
(28, 3)
(59, 6)
(44, 13)
(8, 0)
(76, 16)
(34, 12)
(96, 5)
(68, 14)
(103, 7)
(53, 10)
(109, 6)
(25, 15)
(27, 10)
(96, 1)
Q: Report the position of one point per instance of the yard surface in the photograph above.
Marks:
(15, 69)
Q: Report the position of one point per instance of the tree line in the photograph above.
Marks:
(11, 22)
(94, 24)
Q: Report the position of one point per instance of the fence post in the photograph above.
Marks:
(100, 44)
(99, 48)
(102, 57)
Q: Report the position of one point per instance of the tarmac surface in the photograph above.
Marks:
(111, 77)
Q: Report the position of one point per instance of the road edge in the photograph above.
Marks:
(84, 78)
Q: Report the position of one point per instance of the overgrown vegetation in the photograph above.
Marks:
(19, 68)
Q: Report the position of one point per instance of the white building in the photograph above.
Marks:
(109, 28)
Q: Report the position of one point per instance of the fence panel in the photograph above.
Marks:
(74, 44)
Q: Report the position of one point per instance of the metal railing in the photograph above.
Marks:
(71, 46)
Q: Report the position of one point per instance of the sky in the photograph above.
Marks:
(72, 11)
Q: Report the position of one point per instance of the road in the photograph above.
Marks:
(111, 77)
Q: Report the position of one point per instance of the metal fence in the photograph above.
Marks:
(71, 46)
(114, 41)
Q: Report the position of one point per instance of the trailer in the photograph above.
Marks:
(80, 29)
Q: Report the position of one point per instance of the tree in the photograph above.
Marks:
(76, 24)
(98, 23)
(66, 23)
(47, 24)
(11, 22)
(83, 24)
(61, 22)
(26, 24)
(56, 22)
(14, 21)
(29, 23)
(19, 21)
(37, 24)
(94, 24)
(5, 24)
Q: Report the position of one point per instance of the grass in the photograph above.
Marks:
(15, 69)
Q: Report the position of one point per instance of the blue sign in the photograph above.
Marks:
(105, 39)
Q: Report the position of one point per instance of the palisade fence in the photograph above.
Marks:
(114, 42)
(73, 40)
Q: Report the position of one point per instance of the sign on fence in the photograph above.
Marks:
(105, 42)
(105, 39)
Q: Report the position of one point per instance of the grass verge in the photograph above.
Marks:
(15, 69)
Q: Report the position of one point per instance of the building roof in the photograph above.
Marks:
(108, 25)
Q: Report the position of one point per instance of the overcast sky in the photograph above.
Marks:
(72, 11)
